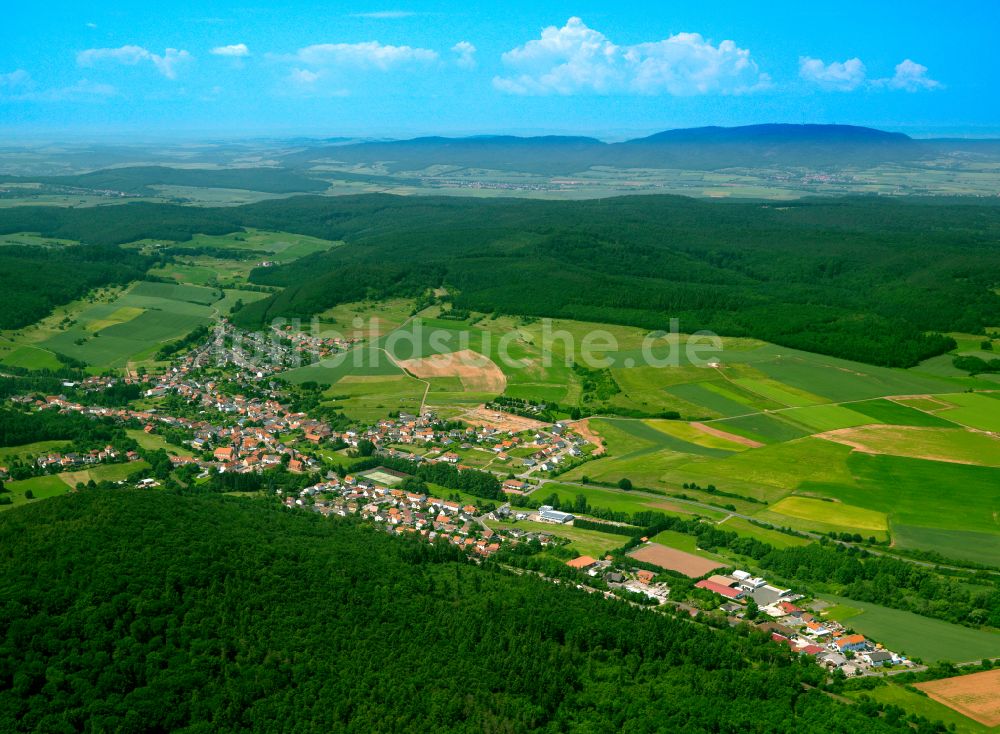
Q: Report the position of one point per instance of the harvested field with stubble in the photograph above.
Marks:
(976, 695)
(675, 560)
(477, 373)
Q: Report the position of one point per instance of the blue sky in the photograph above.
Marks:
(397, 69)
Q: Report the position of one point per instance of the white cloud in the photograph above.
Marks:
(849, 75)
(236, 50)
(911, 77)
(132, 55)
(576, 59)
(15, 79)
(384, 14)
(303, 77)
(466, 54)
(366, 55)
(92, 26)
(837, 76)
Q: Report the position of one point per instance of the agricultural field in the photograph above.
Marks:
(825, 516)
(923, 706)
(933, 444)
(945, 507)
(772, 537)
(672, 559)
(371, 397)
(684, 542)
(917, 636)
(977, 410)
(114, 328)
(976, 695)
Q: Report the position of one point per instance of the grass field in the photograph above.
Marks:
(946, 507)
(361, 361)
(49, 485)
(196, 269)
(773, 537)
(891, 412)
(598, 497)
(152, 442)
(834, 514)
(976, 410)
(923, 706)
(111, 333)
(818, 418)
(765, 428)
(103, 472)
(28, 451)
(30, 357)
(917, 636)
(585, 542)
(937, 444)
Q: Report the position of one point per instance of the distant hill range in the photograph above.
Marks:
(702, 148)
(305, 165)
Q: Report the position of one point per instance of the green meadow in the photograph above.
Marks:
(29, 451)
(134, 324)
(584, 542)
(896, 695)
(765, 535)
(43, 487)
(611, 499)
(917, 636)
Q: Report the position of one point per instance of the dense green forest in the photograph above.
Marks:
(141, 179)
(142, 611)
(33, 280)
(866, 279)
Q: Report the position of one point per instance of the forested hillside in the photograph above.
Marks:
(864, 279)
(153, 612)
(35, 279)
(704, 148)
